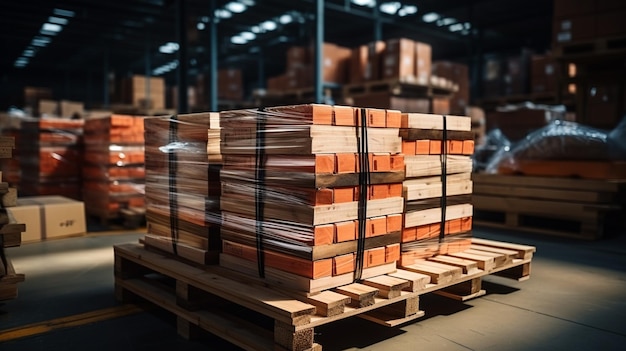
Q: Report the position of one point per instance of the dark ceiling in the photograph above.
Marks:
(124, 36)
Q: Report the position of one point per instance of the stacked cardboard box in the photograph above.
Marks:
(10, 229)
(229, 87)
(544, 74)
(113, 169)
(32, 97)
(63, 108)
(183, 161)
(366, 62)
(300, 69)
(459, 74)
(586, 20)
(50, 155)
(133, 91)
(311, 198)
(437, 218)
(407, 60)
(516, 122)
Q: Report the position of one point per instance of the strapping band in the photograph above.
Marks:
(444, 177)
(173, 169)
(364, 181)
(259, 193)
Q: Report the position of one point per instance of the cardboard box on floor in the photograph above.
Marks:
(48, 217)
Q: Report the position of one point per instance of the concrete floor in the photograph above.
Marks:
(574, 300)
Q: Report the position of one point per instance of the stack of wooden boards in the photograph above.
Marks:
(571, 207)
(437, 219)
(310, 197)
(10, 231)
(182, 185)
(49, 152)
(113, 169)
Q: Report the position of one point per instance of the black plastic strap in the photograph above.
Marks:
(444, 178)
(172, 191)
(3, 258)
(259, 193)
(364, 181)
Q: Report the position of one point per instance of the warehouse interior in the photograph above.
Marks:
(312, 174)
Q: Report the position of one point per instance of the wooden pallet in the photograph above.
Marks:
(219, 300)
(563, 168)
(577, 208)
(398, 87)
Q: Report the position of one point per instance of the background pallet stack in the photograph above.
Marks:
(590, 34)
(183, 161)
(291, 174)
(50, 155)
(437, 219)
(113, 169)
(10, 231)
(399, 74)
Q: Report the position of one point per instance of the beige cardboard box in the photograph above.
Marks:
(48, 217)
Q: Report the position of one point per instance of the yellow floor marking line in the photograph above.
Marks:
(67, 322)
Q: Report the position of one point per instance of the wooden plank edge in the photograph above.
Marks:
(461, 297)
(392, 322)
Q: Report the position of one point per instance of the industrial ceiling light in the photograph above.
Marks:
(40, 41)
(268, 25)
(446, 21)
(456, 27)
(285, 19)
(247, 35)
(238, 40)
(255, 29)
(430, 17)
(20, 62)
(235, 7)
(390, 8)
(248, 3)
(28, 53)
(370, 3)
(220, 13)
(200, 26)
(407, 10)
(51, 27)
(169, 48)
(64, 13)
(57, 20)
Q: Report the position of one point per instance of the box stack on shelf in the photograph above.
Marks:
(398, 74)
(10, 231)
(141, 92)
(230, 90)
(296, 84)
(63, 108)
(437, 219)
(183, 161)
(291, 173)
(50, 155)
(591, 35)
(113, 169)
(459, 74)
